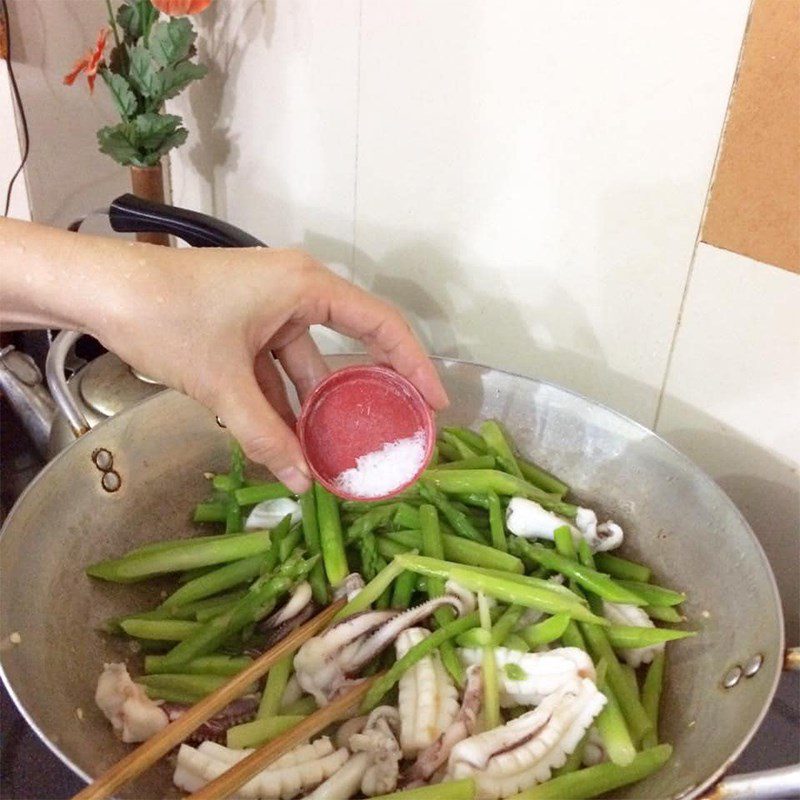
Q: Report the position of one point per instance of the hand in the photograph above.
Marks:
(214, 325)
(211, 323)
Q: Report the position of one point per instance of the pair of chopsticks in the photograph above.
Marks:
(136, 762)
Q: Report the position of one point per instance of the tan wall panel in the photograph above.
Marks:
(754, 207)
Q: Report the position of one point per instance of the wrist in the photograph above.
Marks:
(133, 293)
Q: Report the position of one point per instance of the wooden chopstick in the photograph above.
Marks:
(240, 773)
(144, 756)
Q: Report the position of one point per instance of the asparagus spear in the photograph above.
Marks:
(594, 781)
(457, 519)
(197, 552)
(253, 606)
(330, 536)
(432, 546)
(316, 577)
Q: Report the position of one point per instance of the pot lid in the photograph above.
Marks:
(107, 385)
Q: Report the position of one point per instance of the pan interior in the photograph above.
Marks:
(675, 518)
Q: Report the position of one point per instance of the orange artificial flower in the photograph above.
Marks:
(177, 8)
(90, 62)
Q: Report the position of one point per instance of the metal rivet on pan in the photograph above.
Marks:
(103, 459)
(753, 665)
(732, 677)
(111, 481)
(220, 422)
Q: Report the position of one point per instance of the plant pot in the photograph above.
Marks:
(148, 183)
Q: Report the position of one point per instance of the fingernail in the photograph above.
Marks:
(294, 478)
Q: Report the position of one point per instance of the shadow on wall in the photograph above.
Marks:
(450, 309)
(225, 31)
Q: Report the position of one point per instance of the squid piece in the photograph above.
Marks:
(349, 587)
(300, 599)
(469, 601)
(435, 756)
(594, 751)
(526, 518)
(350, 727)
(378, 741)
(295, 773)
(243, 709)
(531, 615)
(526, 679)
(133, 715)
(292, 693)
(328, 662)
(295, 612)
(523, 752)
(269, 513)
(623, 614)
(600, 538)
(428, 698)
(373, 768)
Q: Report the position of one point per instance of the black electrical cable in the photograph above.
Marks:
(20, 109)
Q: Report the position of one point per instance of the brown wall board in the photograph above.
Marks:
(3, 39)
(754, 204)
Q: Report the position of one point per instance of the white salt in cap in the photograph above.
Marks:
(366, 432)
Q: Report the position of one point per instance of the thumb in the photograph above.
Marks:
(263, 435)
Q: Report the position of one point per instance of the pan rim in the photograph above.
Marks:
(347, 358)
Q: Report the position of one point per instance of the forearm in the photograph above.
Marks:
(209, 323)
(53, 278)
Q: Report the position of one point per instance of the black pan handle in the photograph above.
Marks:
(131, 214)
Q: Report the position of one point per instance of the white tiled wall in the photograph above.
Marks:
(732, 400)
(524, 178)
(531, 175)
(273, 126)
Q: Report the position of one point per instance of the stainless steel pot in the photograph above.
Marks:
(101, 389)
(135, 478)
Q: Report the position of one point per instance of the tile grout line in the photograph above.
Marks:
(355, 149)
(698, 238)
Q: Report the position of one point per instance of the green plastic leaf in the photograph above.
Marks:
(143, 73)
(118, 61)
(136, 18)
(157, 133)
(144, 140)
(124, 99)
(171, 42)
(115, 142)
(176, 79)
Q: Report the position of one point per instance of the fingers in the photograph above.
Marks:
(303, 363)
(263, 435)
(386, 334)
(271, 384)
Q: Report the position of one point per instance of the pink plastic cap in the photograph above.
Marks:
(356, 411)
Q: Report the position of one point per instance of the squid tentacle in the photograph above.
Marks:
(524, 751)
(428, 698)
(243, 709)
(325, 663)
(374, 766)
(623, 614)
(541, 673)
(435, 756)
(297, 772)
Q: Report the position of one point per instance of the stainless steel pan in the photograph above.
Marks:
(135, 478)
